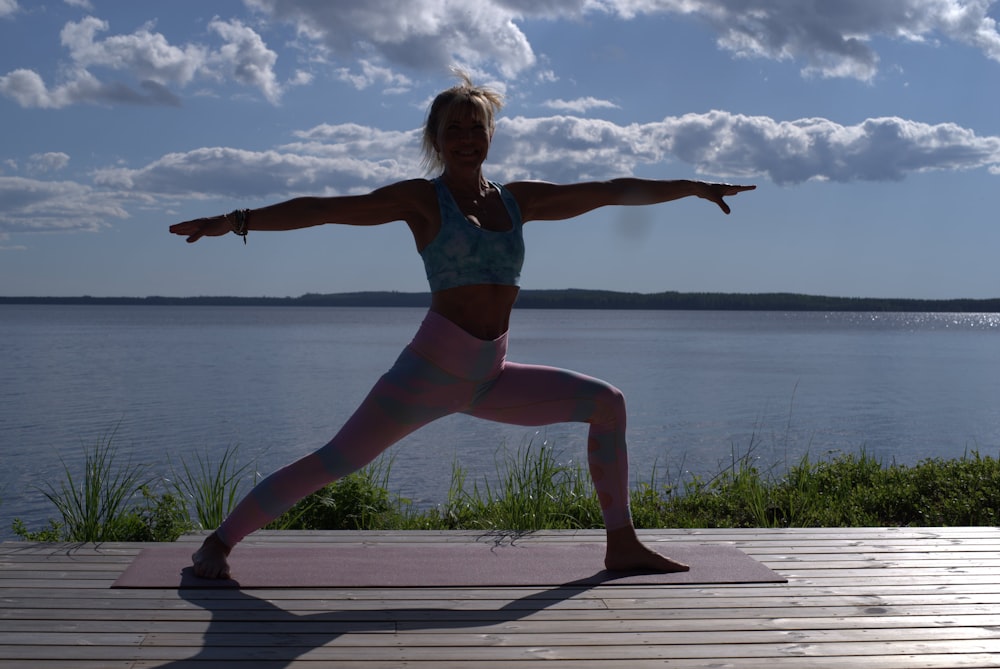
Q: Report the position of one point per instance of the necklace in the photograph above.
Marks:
(473, 204)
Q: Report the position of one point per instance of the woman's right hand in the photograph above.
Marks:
(214, 226)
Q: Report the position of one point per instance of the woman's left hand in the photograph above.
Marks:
(715, 193)
(214, 226)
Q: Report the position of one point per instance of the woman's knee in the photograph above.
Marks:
(609, 404)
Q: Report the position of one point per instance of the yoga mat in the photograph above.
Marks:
(435, 565)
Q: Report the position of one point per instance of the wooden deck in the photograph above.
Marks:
(906, 598)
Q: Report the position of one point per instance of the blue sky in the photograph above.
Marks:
(872, 130)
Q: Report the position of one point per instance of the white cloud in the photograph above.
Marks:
(418, 34)
(346, 166)
(145, 54)
(301, 78)
(353, 138)
(372, 74)
(149, 58)
(28, 89)
(372, 42)
(833, 39)
(82, 4)
(246, 57)
(569, 148)
(580, 105)
(721, 144)
(828, 39)
(47, 162)
(31, 205)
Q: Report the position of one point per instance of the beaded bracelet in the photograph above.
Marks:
(241, 223)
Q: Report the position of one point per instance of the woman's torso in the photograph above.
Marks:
(481, 309)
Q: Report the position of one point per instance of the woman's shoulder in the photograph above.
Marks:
(529, 194)
(410, 194)
(417, 201)
(415, 187)
(529, 188)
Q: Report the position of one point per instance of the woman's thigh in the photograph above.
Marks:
(534, 395)
(412, 394)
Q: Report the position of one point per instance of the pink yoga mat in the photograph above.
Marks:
(434, 565)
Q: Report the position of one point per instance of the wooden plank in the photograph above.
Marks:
(924, 661)
(246, 655)
(570, 639)
(799, 536)
(679, 598)
(66, 664)
(902, 661)
(532, 625)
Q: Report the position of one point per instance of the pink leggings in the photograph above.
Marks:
(443, 371)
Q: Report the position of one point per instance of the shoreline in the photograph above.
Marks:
(561, 299)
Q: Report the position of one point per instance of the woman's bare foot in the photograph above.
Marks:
(626, 553)
(210, 561)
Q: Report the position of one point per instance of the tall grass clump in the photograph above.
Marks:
(92, 508)
(358, 501)
(104, 503)
(736, 496)
(844, 490)
(212, 489)
(856, 489)
(533, 491)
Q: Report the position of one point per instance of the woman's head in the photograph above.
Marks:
(483, 102)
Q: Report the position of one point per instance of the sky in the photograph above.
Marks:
(871, 129)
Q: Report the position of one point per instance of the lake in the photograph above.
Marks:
(172, 382)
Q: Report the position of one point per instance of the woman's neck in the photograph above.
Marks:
(472, 183)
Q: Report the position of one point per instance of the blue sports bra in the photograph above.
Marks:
(463, 254)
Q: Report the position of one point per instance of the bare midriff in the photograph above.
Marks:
(482, 310)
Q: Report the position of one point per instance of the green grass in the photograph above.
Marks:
(356, 502)
(109, 501)
(534, 489)
(846, 490)
(213, 489)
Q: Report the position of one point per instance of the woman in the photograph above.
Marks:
(468, 232)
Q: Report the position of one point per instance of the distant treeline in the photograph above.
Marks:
(563, 299)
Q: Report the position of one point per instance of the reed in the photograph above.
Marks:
(213, 488)
(95, 506)
(358, 501)
(534, 491)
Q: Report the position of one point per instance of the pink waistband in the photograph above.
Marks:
(458, 352)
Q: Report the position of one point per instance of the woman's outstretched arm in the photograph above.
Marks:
(541, 200)
(402, 201)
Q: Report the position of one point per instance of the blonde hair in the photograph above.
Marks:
(486, 102)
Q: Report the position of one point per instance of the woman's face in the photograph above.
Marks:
(463, 139)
